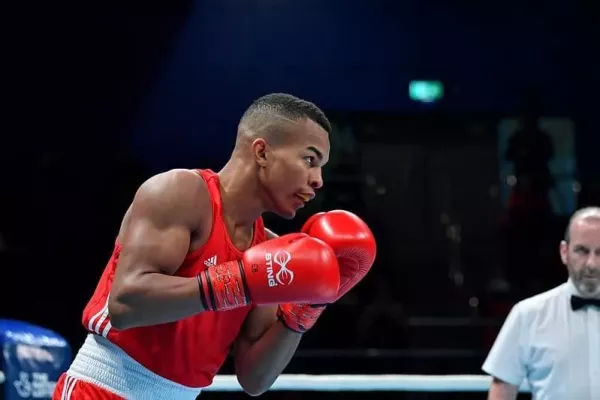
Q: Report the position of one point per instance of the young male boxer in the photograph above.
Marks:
(195, 274)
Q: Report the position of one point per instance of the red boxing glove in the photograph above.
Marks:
(351, 240)
(290, 268)
(355, 248)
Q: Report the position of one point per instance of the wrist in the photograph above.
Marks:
(299, 317)
(223, 287)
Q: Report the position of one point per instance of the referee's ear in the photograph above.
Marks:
(564, 251)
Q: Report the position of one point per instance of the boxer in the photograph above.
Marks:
(195, 274)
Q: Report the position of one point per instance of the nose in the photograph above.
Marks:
(316, 179)
(594, 259)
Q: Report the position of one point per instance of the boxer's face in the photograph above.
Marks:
(582, 255)
(290, 169)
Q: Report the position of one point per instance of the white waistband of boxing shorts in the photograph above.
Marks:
(104, 364)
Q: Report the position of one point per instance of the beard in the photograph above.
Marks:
(587, 281)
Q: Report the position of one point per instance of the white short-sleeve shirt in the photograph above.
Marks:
(555, 349)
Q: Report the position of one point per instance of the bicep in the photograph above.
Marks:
(156, 232)
(500, 390)
(148, 246)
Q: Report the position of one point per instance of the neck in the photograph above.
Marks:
(240, 192)
(594, 296)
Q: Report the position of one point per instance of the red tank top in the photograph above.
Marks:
(188, 351)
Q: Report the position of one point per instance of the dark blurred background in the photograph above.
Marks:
(465, 135)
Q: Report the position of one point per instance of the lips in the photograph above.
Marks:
(305, 197)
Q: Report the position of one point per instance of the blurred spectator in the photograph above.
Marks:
(530, 149)
(530, 212)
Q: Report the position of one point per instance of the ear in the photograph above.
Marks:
(564, 251)
(259, 151)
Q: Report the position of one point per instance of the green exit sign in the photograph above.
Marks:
(426, 91)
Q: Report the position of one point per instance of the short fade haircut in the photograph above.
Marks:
(582, 213)
(286, 106)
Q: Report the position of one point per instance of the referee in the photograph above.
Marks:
(552, 340)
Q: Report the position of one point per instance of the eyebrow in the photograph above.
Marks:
(582, 247)
(316, 151)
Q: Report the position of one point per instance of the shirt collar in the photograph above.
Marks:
(571, 289)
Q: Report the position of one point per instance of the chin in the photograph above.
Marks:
(286, 214)
(591, 289)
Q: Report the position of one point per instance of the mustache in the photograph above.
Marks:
(590, 271)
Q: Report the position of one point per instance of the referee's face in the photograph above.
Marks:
(582, 256)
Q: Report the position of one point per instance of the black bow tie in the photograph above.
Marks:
(579, 302)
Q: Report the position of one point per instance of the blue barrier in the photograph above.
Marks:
(32, 360)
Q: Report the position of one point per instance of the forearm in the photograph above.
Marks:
(152, 299)
(502, 391)
(259, 364)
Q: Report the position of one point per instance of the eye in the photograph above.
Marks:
(310, 160)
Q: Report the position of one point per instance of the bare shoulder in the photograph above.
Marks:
(166, 214)
(177, 196)
(173, 184)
